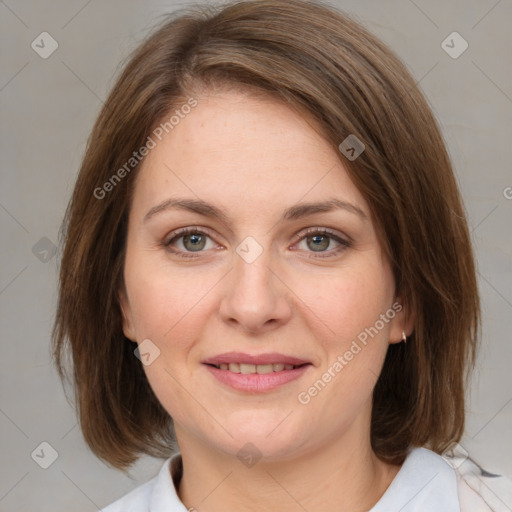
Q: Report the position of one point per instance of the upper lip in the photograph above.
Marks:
(239, 357)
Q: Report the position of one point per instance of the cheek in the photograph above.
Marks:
(169, 309)
(162, 302)
(346, 301)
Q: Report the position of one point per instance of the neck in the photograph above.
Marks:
(342, 475)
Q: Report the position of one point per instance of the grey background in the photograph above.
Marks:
(48, 107)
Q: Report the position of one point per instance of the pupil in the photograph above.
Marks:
(196, 242)
(317, 242)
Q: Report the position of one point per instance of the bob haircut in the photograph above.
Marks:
(328, 67)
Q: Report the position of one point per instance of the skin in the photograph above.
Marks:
(252, 158)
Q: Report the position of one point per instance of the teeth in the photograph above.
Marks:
(247, 368)
(255, 368)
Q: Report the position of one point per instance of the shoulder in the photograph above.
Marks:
(478, 489)
(157, 491)
(429, 482)
(136, 500)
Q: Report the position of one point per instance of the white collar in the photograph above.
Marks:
(164, 497)
(425, 482)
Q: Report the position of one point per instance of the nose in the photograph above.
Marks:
(256, 298)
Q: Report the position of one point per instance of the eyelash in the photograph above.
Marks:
(344, 244)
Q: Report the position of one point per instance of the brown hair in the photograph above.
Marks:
(331, 68)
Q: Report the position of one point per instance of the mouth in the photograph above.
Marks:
(256, 373)
(245, 362)
(261, 369)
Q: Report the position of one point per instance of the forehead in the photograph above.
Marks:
(245, 151)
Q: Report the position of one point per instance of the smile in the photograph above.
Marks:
(251, 378)
(247, 369)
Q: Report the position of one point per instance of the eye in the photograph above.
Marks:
(317, 240)
(195, 240)
(191, 239)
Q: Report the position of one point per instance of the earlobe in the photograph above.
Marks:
(126, 315)
(402, 324)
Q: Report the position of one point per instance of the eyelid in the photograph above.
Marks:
(184, 231)
(344, 240)
(322, 230)
(297, 237)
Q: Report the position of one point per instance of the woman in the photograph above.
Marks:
(267, 266)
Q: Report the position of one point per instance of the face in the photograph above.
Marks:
(261, 276)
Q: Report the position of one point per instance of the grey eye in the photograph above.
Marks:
(194, 242)
(318, 242)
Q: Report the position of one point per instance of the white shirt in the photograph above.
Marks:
(426, 482)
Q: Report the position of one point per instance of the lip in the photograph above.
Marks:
(240, 357)
(255, 382)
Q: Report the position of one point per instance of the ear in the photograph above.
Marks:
(404, 320)
(127, 317)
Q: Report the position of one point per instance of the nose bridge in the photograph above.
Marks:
(255, 296)
(252, 277)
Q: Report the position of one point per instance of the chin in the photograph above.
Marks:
(267, 436)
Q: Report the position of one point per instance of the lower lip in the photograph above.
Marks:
(256, 382)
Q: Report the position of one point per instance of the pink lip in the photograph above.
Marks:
(256, 382)
(239, 357)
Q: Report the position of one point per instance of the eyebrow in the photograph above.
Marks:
(295, 212)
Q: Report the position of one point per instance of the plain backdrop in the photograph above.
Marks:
(48, 106)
